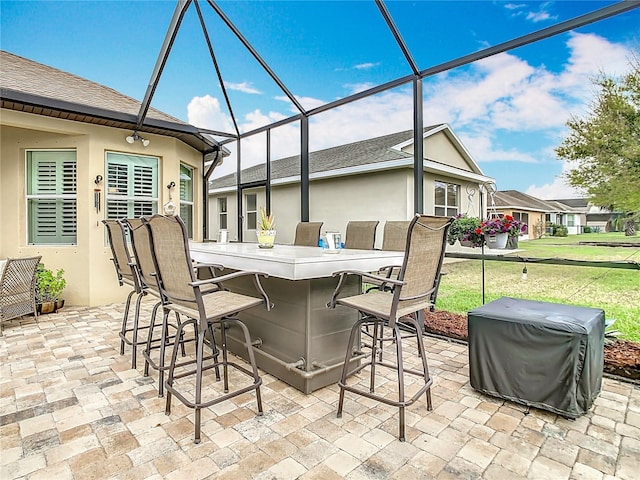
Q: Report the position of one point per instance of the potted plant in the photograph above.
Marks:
(465, 230)
(49, 287)
(266, 229)
(497, 230)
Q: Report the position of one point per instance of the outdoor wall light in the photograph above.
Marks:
(134, 137)
(171, 185)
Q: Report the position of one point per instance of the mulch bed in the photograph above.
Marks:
(621, 357)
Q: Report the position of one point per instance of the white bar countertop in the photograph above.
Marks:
(291, 262)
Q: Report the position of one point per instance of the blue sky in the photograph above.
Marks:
(509, 110)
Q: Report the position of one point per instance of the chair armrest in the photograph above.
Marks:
(243, 273)
(217, 266)
(388, 269)
(345, 273)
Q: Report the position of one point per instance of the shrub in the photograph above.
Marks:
(49, 287)
(560, 231)
(586, 229)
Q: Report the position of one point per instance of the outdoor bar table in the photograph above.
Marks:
(300, 341)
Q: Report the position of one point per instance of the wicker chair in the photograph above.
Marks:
(361, 235)
(127, 274)
(17, 288)
(424, 254)
(308, 234)
(181, 292)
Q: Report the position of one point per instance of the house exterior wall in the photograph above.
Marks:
(535, 218)
(90, 275)
(438, 147)
(382, 196)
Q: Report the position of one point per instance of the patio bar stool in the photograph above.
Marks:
(181, 292)
(361, 234)
(127, 274)
(141, 247)
(308, 234)
(412, 289)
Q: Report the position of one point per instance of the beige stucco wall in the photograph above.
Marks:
(534, 219)
(439, 148)
(90, 275)
(382, 196)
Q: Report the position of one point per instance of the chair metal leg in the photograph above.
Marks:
(400, 367)
(152, 327)
(252, 362)
(125, 321)
(347, 357)
(198, 392)
(374, 354)
(134, 339)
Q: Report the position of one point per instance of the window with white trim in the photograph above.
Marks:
(222, 212)
(446, 199)
(571, 220)
(51, 197)
(521, 217)
(186, 197)
(251, 206)
(132, 185)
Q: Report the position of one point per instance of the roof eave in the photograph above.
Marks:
(15, 100)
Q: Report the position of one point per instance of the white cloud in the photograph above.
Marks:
(557, 189)
(205, 112)
(245, 87)
(366, 66)
(542, 14)
(514, 6)
(503, 93)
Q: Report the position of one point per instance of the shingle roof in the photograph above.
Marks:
(363, 152)
(516, 199)
(32, 87)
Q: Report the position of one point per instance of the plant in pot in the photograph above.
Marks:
(497, 230)
(266, 232)
(465, 230)
(49, 287)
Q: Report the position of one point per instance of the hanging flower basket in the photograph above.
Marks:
(496, 241)
(497, 230)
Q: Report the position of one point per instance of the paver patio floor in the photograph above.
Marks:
(72, 408)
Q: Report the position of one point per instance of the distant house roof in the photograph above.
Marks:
(522, 201)
(32, 87)
(374, 153)
(573, 202)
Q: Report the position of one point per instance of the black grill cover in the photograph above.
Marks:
(540, 354)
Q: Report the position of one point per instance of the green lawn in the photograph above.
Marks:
(616, 291)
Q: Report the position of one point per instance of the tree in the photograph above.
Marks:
(604, 147)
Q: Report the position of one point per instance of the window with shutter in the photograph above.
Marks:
(186, 197)
(132, 185)
(51, 197)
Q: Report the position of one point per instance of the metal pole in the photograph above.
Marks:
(482, 248)
(418, 147)
(304, 169)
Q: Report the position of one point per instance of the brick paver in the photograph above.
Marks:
(71, 408)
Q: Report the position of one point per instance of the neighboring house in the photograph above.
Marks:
(66, 164)
(574, 218)
(366, 180)
(539, 213)
(522, 207)
(599, 217)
